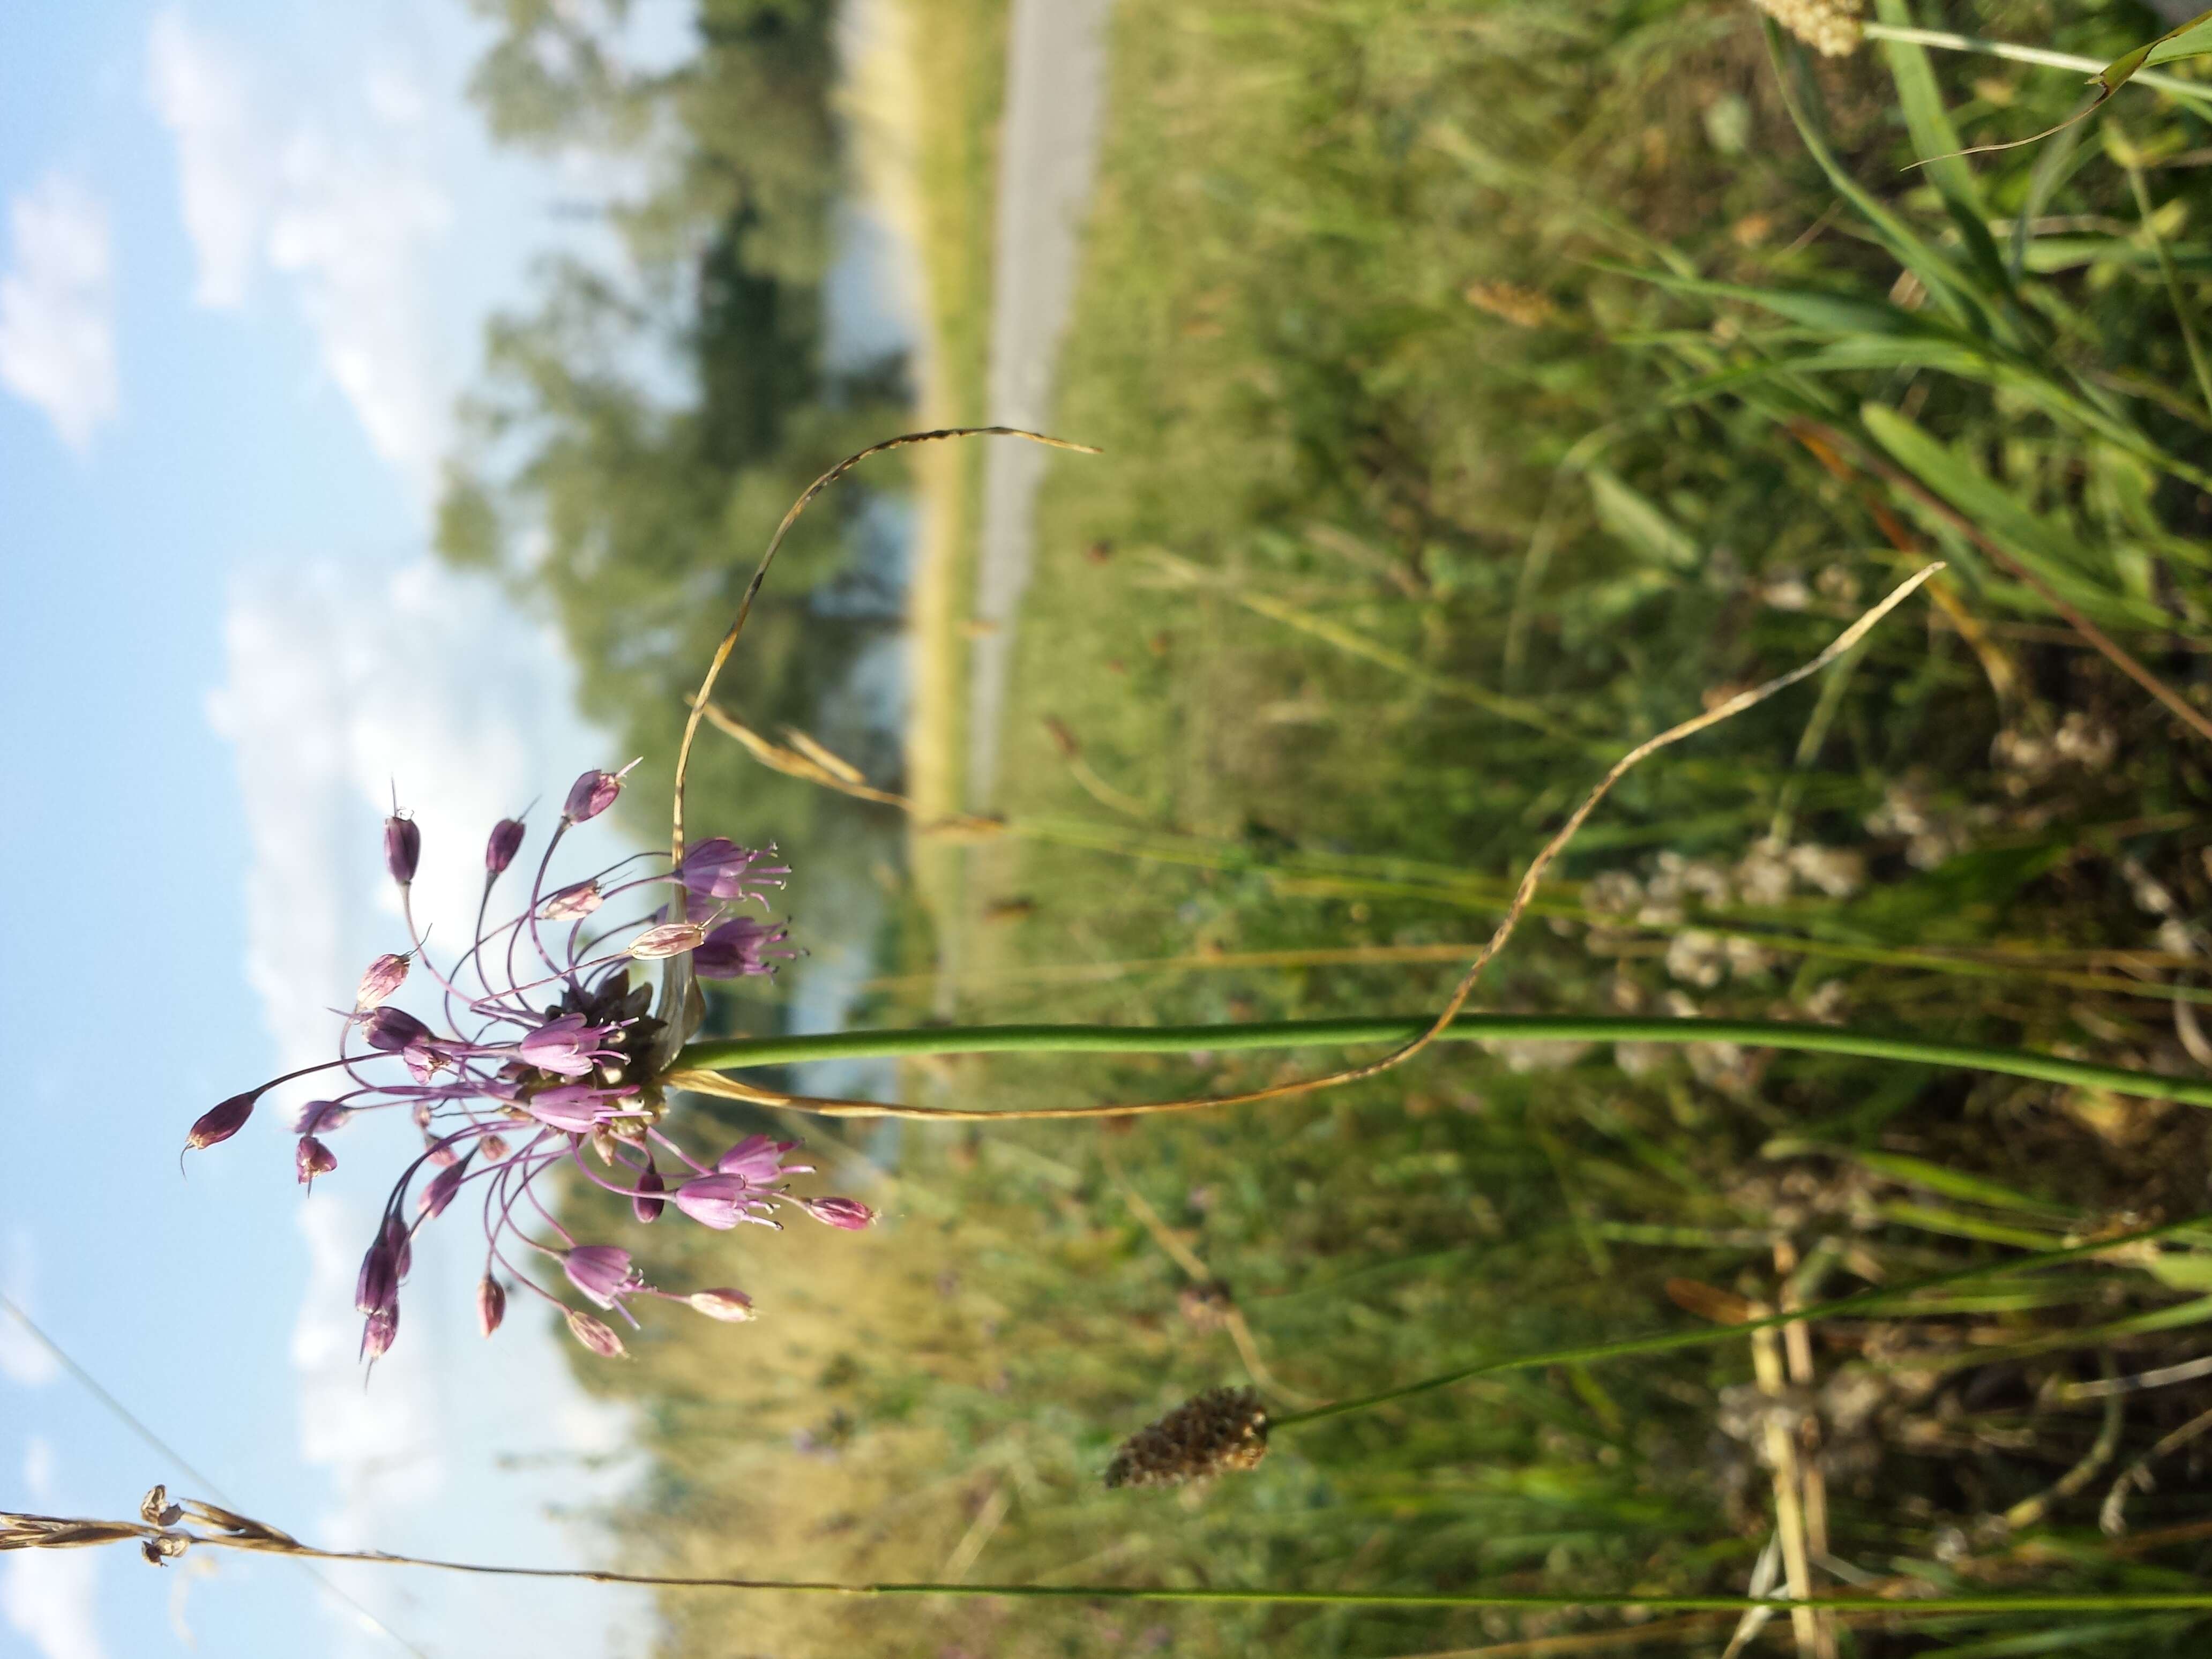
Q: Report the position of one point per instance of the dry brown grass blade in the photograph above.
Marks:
(717, 1083)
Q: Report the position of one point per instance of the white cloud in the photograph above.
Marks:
(57, 305)
(225, 173)
(23, 1359)
(347, 218)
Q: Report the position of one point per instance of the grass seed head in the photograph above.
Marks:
(1829, 27)
(1221, 1429)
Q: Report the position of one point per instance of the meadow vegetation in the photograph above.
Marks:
(1482, 386)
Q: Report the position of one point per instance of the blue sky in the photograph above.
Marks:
(246, 253)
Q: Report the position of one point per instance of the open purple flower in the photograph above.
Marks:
(531, 1049)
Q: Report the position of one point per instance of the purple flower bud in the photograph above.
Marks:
(602, 1273)
(220, 1123)
(738, 947)
(439, 1193)
(493, 1147)
(568, 1046)
(312, 1158)
(734, 1306)
(506, 841)
(392, 1030)
(574, 1107)
(670, 938)
(377, 1331)
(572, 904)
(378, 1283)
(592, 793)
(594, 1335)
(757, 1160)
(649, 1209)
(320, 1117)
(403, 848)
(848, 1213)
(384, 975)
(491, 1304)
(400, 1242)
(718, 1200)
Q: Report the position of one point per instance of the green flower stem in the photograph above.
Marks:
(743, 1053)
(1886, 1298)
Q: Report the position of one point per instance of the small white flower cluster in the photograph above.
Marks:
(1829, 27)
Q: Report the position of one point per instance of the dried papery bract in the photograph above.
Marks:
(1213, 1433)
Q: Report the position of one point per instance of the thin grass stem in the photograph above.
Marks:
(1944, 40)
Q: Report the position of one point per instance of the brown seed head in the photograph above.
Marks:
(1221, 1429)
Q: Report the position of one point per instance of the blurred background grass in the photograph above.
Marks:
(1482, 386)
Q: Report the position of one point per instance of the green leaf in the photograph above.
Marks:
(1937, 143)
(1638, 521)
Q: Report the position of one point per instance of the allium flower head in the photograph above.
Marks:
(530, 1049)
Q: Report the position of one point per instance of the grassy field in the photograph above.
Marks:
(1482, 386)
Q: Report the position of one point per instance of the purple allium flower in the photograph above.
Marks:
(670, 939)
(594, 1335)
(757, 1160)
(384, 975)
(531, 1049)
(577, 1108)
(592, 793)
(491, 1304)
(603, 1272)
(572, 904)
(734, 1306)
(848, 1213)
(506, 842)
(645, 1206)
(718, 868)
(567, 1047)
(721, 1201)
(403, 848)
(219, 1123)
(738, 947)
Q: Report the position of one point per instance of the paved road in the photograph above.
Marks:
(1055, 103)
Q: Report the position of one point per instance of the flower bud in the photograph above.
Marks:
(734, 1306)
(220, 1123)
(439, 1193)
(603, 1272)
(321, 1117)
(592, 793)
(384, 975)
(716, 1201)
(403, 848)
(645, 1208)
(378, 1283)
(312, 1158)
(400, 1242)
(491, 1303)
(594, 1335)
(670, 938)
(394, 1029)
(572, 904)
(506, 841)
(494, 1148)
(574, 1107)
(848, 1213)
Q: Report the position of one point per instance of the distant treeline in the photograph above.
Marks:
(636, 433)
